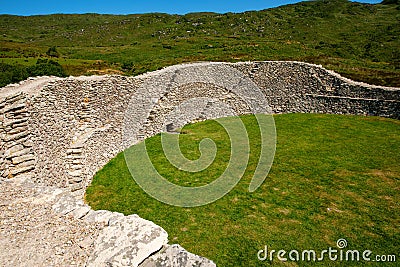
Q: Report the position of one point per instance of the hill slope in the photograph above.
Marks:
(359, 41)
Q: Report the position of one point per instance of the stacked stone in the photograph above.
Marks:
(306, 88)
(74, 162)
(17, 156)
(76, 123)
(208, 100)
(77, 127)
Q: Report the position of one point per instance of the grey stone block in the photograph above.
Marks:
(176, 256)
(127, 242)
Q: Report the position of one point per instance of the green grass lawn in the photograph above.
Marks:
(333, 177)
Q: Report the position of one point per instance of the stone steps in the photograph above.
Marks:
(74, 161)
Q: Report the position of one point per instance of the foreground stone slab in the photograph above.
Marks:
(175, 255)
(127, 242)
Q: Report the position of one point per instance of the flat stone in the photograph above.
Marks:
(18, 153)
(28, 157)
(15, 106)
(76, 145)
(75, 173)
(127, 242)
(80, 212)
(23, 111)
(27, 164)
(21, 124)
(28, 143)
(75, 187)
(15, 98)
(103, 216)
(15, 136)
(12, 122)
(75, 180)
(15, 171)
(20, 140)
(76, 166)
(72, 156)
(74, 151)
(18, 130)
(175, 255)
(48, 197)
(67, 204)
(13, 150)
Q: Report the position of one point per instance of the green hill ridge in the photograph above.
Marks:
(359, 41)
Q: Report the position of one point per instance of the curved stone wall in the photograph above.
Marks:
(59, 132)
(62, 132)
(301, 87)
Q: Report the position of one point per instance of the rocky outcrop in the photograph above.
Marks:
(59, 132)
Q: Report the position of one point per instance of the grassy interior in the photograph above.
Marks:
(333, 177)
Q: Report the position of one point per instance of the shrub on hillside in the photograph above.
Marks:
(15, 73)
(46, 67)
(12, 73)
(52, 52)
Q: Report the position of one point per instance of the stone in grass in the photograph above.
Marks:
(175, 255)
(127, 242)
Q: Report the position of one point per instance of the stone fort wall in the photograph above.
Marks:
(63, 132)
(58, 132)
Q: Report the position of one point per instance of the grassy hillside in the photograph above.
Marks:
(360, 41)
(325, 184)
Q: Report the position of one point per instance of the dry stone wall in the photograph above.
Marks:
(17, 154)
(300, 87)
(81, 132)
(64, 132)
(59, 132)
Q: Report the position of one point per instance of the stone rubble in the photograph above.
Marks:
(56, 133)
(32, 234)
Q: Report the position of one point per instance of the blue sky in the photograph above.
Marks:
(32, 7)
